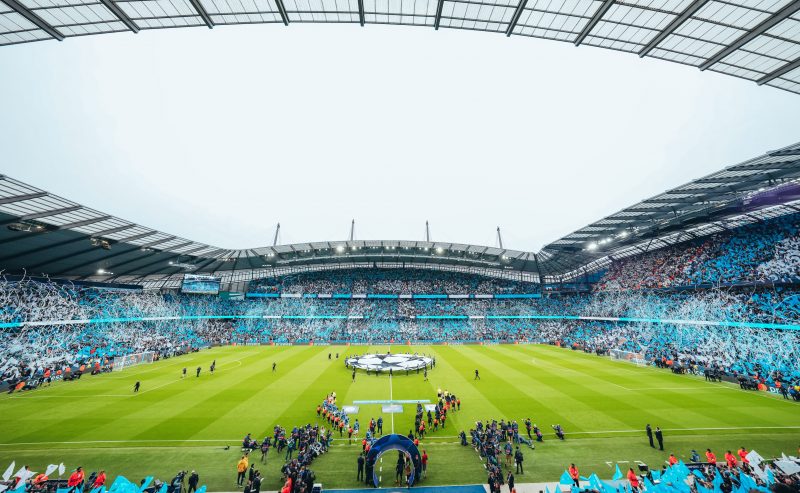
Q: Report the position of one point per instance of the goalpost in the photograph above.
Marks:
(122, 362)
(630, 356)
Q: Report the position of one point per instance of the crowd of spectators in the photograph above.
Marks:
(739, 471)
(765, 251)
(389, 281)
(737, 323)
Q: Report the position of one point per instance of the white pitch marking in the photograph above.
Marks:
(391, 399)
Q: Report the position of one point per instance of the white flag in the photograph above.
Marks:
(7, 474)
(50, 469)
(754, 458)
(26, 475)
(61, 469)
(787, 466)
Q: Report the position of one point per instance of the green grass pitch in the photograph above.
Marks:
(175, 423)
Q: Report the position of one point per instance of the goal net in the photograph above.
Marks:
(630, 356)
(122, 362)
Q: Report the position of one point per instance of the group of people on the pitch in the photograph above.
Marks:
(498, 443)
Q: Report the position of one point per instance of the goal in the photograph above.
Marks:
(122, 362)
(630, 356)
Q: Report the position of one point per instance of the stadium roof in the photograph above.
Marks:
(757, 40)
(47, 234)
(760, 188)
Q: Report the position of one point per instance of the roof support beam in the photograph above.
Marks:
(594, 20)
(86, 222)
(20, 198)
(282, 10)
(40, 249)
(436, 21)
(516, 16)
(74, 240)
(121, 15)
(361, 12)
(128, 239)
(34, 19)
(202, 12)
(159, 261)
(757, 31)
(38, 215)
(785, 152)
(672, 26)
(777, 73)
(205, 264)
(113, 255)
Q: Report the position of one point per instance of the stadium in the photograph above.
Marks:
(616, 338)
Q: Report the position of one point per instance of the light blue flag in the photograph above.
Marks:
(64, 490)
(717, 482)
(146, 484)
(594, 482)
(701, 488)
(565, 478)
(617, 474)
(656, 474)
(770, 476)
(742, 488)
(20, 488)
(681, 486)
(163, 488)
(202, 489)
(119, 484)
(747, 482)
(546, 489)
(96, 490)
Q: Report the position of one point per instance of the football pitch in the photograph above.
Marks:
(174, 423)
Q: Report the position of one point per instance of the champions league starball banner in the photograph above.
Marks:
(386, 362)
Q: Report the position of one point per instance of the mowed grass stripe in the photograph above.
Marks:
(205, 399)
(78, 418)
(660, 379)
(520, 386)
(603, 402)
(713, 406)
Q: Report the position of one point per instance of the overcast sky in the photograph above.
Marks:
(216, 135)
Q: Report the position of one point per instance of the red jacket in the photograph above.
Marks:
(634, 479)
(743, 455)
(75, 479)
(100, 480)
